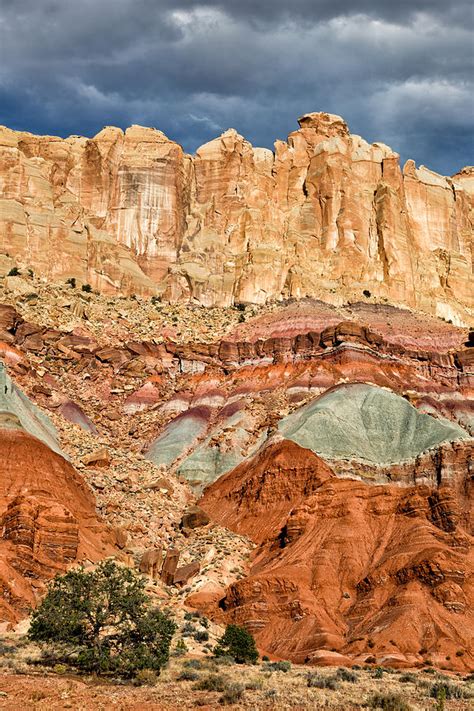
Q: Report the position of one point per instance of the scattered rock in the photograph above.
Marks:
(99, 458)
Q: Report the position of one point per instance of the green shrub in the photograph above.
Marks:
(145, 677)
(441, 699)
(239, 644)
(201, 636)
(87, 288)
(389, 702)
(99, 621)
(224, 661)
(232, 695)
(408, 678)
(378, 673)
(317, 681)
(180, 649)
(193, 664)
(188, 629)
(277, 666)
(451, 691)
(188, 675)
(347, 675)
(212, 682)
(72, 282)
(14, 271)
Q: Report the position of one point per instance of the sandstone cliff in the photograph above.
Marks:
(325, 214)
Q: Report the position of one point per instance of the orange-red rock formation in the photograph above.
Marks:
(47, 521)
(381, 573)
(325, 214)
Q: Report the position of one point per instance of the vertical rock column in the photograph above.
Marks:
(170, 565)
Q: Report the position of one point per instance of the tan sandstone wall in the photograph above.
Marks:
(325, 215)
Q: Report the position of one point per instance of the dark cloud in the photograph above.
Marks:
(400, 72)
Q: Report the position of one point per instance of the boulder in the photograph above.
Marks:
(186, 572)
(100, 458)
(194, 517)
(120, 536)
(151, 562)
(170, 566)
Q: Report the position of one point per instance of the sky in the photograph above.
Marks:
(398, 71)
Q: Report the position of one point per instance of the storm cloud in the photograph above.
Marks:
(401, 73)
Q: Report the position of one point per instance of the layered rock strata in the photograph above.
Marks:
(358, 539)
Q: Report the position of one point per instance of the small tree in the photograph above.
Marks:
(87, 288)
(237, 643)
(99, 621)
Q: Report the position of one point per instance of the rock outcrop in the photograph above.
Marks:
(48, 519)
(325, 214)
(365, 422)
(375, 573)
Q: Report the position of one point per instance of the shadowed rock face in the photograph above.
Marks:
(18, 412)
(325, 214)
(382, 572)
(360, 421)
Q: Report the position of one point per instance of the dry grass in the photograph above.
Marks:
(192, 683)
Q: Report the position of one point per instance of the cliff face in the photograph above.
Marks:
(326, 214)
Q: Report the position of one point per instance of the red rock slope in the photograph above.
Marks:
(347, 571)
(47, 521)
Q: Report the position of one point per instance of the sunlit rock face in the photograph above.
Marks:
(326, 214)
